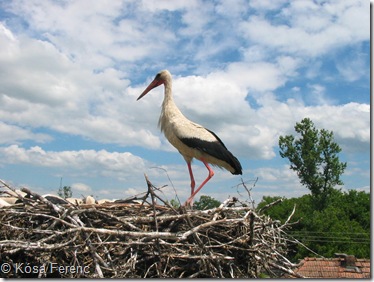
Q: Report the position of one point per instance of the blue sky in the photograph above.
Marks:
(248, 70)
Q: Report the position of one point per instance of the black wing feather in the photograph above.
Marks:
(216, 149)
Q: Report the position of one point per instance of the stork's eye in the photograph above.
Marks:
(158, 76)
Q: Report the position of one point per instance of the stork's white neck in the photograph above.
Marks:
(168, 105)
(169, 112)
(168, 84)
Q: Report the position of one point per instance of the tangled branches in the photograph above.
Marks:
(134, 240)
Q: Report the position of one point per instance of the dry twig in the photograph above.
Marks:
(131, 240)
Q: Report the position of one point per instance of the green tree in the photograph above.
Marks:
(342, 227)
(65, 192)
(314, 156)
(206, 203)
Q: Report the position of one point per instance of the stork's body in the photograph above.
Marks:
(191, 139)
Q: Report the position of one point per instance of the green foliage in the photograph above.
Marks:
(206, 203)
(65, 192)
(343, 226)
(314, 157)
(174, 203)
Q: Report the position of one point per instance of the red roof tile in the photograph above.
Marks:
(334, 268)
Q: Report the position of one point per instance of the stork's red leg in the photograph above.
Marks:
(192, 178)
(211, 173)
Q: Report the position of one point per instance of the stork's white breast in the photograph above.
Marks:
(176, 127)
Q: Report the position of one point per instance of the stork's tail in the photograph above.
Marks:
(234, 163)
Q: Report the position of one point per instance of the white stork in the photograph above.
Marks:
(191, 139)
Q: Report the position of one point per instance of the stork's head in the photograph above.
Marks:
(160, 78)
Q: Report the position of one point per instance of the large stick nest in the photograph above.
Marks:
(39, 238)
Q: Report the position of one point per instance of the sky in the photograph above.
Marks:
(248, 70)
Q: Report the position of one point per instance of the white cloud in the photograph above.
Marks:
(195, 18)
(132, 192)
(42, 88)
(317, 95)
(81, 187)
(311, 29)
(266, 5)
(90, 162)
(13, 134)
(233, 9)
(102, 36)
(168, 5)
(353, 68)
(257, 76)
(39, 71)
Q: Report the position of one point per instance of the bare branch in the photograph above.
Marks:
(125, 239)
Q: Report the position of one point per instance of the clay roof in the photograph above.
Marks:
(334, 268)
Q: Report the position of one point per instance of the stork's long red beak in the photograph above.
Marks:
(156, 82)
